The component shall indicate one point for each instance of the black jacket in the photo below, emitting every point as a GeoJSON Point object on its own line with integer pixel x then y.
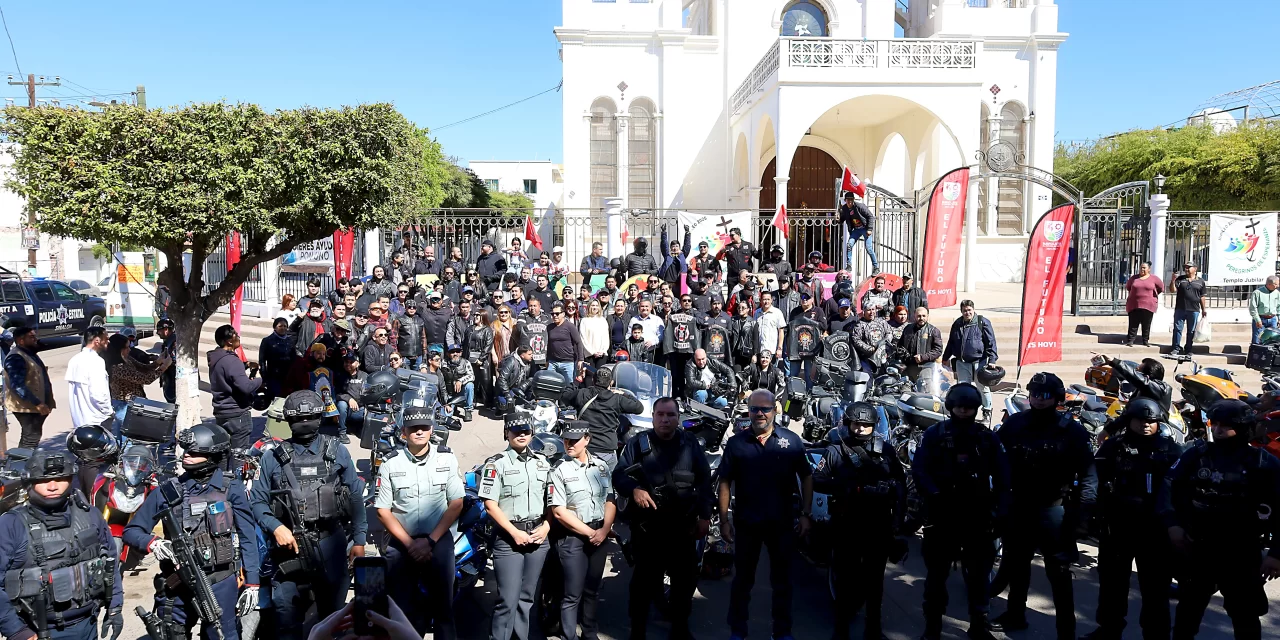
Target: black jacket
{"type": "Point", "coordinates": [1050, 459]}
{"type": "Point", "coordinates": [374, 358]}
{"type": "Point", "coordinates": [724, 377]}
{"type": "Point", "coordinates": [857, 216]}
{"type": "Point", "coordinates": [962, 474]}
{"type": "Point", "coordinates": [912, 299]}
{"type": "Point", "coordinates": [491, 267]}
{"type": "Point", "coordinates": [636, 263]}
{"type": "Point", "coordinates": [275, 356]}
{"type": "Point", "coordinates": [1157, 390]}
{"type": "Point", "coordinates": [922, 341]}
{"type": "Point", "coordinates": [1131, 469]}
{"type": "Point", "coordinates": [478, 346]}
{"type": "Point", "coordinates": [971, 341]}
{"type": "Point", "coordinates": [771, 379]}
{"type": "Point", "coordinates": [866, 482]}
{"type": "Point", "coordinates": [231, 387]}
{"type": "Point", "coordinates": [603, 414]}
{"type": "Point", "coordinates": [513, 373]}
{"type": "Point", "coordinates": [307, 329]}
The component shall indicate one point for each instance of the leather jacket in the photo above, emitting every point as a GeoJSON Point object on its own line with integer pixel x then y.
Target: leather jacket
{"type": "Point", "coordinates": [513, 373]}
{"type": "Point", "coordinates": [693, 376]}
{"type": "Point", "coordinates": [1157, 390]}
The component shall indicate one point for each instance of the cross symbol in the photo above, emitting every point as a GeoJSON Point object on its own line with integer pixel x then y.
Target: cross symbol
{"type": "Point", "coordinates": [724, 222]}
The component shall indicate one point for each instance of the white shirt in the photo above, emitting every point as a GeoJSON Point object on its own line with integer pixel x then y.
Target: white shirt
{"type": "Point", "coordinates": [90, 391]}
{"type": "Point", "coordinates": [768, 323]}
{"type": "Point", "coordinates": [654, 327]}
{"type": "Point", "coordinates": [595, 335]}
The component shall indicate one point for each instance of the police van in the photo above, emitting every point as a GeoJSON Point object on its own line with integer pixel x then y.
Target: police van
{"type": "Point", "coordinates": [50, 306]}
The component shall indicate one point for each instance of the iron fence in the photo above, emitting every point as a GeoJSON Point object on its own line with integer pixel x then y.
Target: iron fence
{"type": "Point", "coordinates": [215, 271]}
{"type": "Point", "coordinates": [1187, 240]}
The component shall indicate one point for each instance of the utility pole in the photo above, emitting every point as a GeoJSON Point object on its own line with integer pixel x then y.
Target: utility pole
{"type": "Point", "coordinates": [31, 102]}
{"type": "Point", "coordinates": [141, 94]}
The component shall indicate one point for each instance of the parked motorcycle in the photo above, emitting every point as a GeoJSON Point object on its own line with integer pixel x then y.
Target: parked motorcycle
{"type": "Point", "coordinates": [121, 488]}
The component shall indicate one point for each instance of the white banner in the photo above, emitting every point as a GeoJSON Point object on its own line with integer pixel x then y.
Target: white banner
{"type": "Point", "coordinates": [714, 228]}
{"type": "Point", "coordinates": [1242, 249]}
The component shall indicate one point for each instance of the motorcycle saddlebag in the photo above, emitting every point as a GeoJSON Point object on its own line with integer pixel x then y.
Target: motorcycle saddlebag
{"type": "Point", "coordinates": [1263, 357]}
{"type": "Point", "coordinates": [797, 398]}
{"type": "Point", "coordinates": [548, 384]}
{"type": "Point", "coordinates": [149, 420]}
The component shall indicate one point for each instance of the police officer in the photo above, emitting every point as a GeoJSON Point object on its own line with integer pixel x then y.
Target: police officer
{"type": "Point", "coordinates": [664, 476]}
{"type": "Point", "coordinates": [962, 474]}
{"type": "Point", "coordinates": [514, 489]}
{"type": "Point", "coordinates": [867, 485]}
{"type": "Point", "coordinates": [419, 498]}
{"type": "Point", "coordinates": [303, 500]}
{"type": "Point", "coordinates": [1218, 499]}
{"type": "Point", "coordinates": [57, 535]}
{"type": "Point", "coordinates": [1131, 469]}
{"type": "Point", "coordinates": [1053, 480]}
{"type": "Point", "coordinates": [582, 501]}
{"type": "Point", "coordinates": [214, 511]}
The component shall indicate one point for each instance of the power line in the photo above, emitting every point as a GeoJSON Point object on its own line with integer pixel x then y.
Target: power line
{"type": "Point", "coordinates": [92, 90]}
{"type": "Point", "coordinates": [11, 47]}
{"type": "Point", "coordinates": [493, 111]}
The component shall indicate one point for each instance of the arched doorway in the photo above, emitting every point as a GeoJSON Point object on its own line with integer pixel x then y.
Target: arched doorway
{"type": "Point", "coordinates": [811, 199]}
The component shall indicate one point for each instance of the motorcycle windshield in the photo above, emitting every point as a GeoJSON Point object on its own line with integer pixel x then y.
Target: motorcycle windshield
{"type": "Point", "coordinates": [135, 468]}
{"type": "Point", "coordinates": [646, 381]}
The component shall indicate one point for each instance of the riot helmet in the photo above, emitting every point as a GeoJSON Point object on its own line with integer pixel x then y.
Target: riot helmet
{"type": "Point", "coordinates": [963, 394]}
{"type": "Point", "coordinates": [43, 466]}
{"type": "Point", "coordinates": [615, 263]}
{"type": "Point", "coordinates": [208, 441]}
{"type": "Point", "coordinates": [1045, 382]}
{"type": "Point", "coordinates": [303, 411]}
{"type": "Point", "coordinates": [859, 412]}
{"type": "Point", "coordinates": [1145, 409]}
{"type": "Point", "coordinates": [1235, 415]}
{"type": "Point", "coordinates": [92, 444]}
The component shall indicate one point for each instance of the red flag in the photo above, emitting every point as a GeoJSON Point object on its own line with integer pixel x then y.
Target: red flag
{"type": "Point", "coordinates": [344, 241]}
{"type": "Point", "coordinates": [780, 219]}
{"type": "Point", "coordinates": [531, 233]}
{"type": "Point", "coordinates": [850, 182]}
{"type": "Point", "coordinates": [1044, 286]}
{"type": "Point", "coordinates": [237, 301]}
{"type": "Point", "coordinates": [943, 233]}
{"type": "Point", "coordinates": [624, 234]}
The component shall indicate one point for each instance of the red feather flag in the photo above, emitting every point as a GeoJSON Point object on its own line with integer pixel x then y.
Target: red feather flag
{"type": "Point", "coordinates": [780, 219]}
{"type": "Point", "coordinates": [531, 233]}
{"type": "Point", "coordinates": [850, 182]}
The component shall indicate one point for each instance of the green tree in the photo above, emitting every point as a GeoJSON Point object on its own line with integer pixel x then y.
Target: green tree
{"type": "Point", "coordinates": [464, 189]}
{"type": "Point", "coordinates": [182, 179]}
{"type": "Point", "coordinates": [510, 203]}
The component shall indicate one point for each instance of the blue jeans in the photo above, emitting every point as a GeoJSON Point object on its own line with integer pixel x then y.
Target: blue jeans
{"type": "Point", "coordinates": [345, 413]}
{"type": "Point", "coordinates": [806, 369]}
{"type": "Point", "coordinates": [703, 396]}
{"type": "Point", "coordinates": [1267, 323]}
{"type": "Point", "coordinates": [468, 396]}
{"type": "Point", "coordinates": [1188, 318]}
{"type": "Point", "coordinates": [566, 369]}
{"type": "Point", "coordinates": [412, 364]}
{"type": "Point", "coordinates": [861, 234]}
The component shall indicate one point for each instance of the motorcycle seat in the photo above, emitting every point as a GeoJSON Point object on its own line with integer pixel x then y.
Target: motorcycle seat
{"type": "Point", "coordinates": [1079, 388]}
{"type": "Point", "coordinates": [1093, 404]}
{"type": "Point", "coordinates": [1217, 372]}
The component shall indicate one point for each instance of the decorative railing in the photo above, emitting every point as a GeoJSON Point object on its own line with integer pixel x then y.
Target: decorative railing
{"type": "Point", "coordinates": [900, 53]}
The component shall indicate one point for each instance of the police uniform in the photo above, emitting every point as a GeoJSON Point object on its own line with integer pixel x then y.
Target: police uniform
{"type": "Point", "coordinates": [585, 490]}
{"type": "Point", "coordinates": [1131, 469]}
{"type": "Point", "coordinates": [517, 484]}
{"type": "Point", "coordinates": [962, 474]}
{"type": "Point", "coordinates": [307, 485]}
{"type": "Point", "coordinates": [216, 514]}
{"type": "Point", "coordinates": [1224, 495]}
{"type": "Point", "coordinates": [867, 489]}
{"type": "Point", "coordinates": [1049, 453]}
{"type": "Point", "coordinates": [418, 492]}
{"type": "Point", "coordinates": [60, 566]}
{"type": "Point", "coordinates": [664, 540]}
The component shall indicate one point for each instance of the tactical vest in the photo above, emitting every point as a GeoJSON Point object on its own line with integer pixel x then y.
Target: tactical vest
{"type": "Point", "coordinates": [211, 523]}
{"type": "Point", "coordinates": [534, 336]}
{"type": "Point", "coordinates": [683, 333]}
{"type": "Point", "coordinates": [1042, 466]}
{"type": "Point", "coordinates": [715, 339]}
{"type": "Point", "coordinates": [867, 486]}
{"type": "Point", "coordinates": [1138, 476]}
{"type": "Point", "coordinates": [66, 564]}
{"type": "Point", "coordinates": [314, 481]}
{"type": "Point", "coordinates": [804, 339]}
{"type": "Point", "coordinates": [1222, 501]}
{"type": "Point", "coordinates": [409, 336]}
{"type": "Point", "coordinates": [672, 488]}
{"type": "Point", "coordinates": [965, 469]}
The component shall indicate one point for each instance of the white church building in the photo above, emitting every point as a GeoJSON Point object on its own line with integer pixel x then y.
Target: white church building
{"type": "Point", "coordinates": [748, 104]}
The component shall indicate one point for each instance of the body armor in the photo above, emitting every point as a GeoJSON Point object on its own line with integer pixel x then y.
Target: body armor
{"type": "Point", "coordinates": [864, 484]}
{"type": "Point", "coordinates": [1223, 502]}
{"type": "Point", "coordinates": [315, 483]}
{"type": "Point", "coordinates": [1139, 472]}
{"type": "Point", "coordinates": [211, 524]}
{"type": "Point", "coordinates": [66, 565]}
{"type": "Point", "coordinates": [1039, 457]}
{"type": "Point", "coordinates": [672, 488]}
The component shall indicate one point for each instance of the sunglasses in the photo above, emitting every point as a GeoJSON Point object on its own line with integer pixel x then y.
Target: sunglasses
{"type": "Point", "coordinates": [418, 427]}
{"type": "Point", "coordinates": [759, 410]}
{"type": "Point", "coordinates": [379, 335]}
{"type": "Point", "coordinates": [557, 313]}
{"type": "Point", "coordinates": [504, 313]}
{"type": "Point", "coordinates": [521, 431]}
{"type": "Point", "coordinates": [1042, 395]}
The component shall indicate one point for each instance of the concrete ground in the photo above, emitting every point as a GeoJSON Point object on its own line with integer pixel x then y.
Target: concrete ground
{"type": "Point", "coordinates": [812, 607]}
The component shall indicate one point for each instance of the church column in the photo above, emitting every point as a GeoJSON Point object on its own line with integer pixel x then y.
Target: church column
{"type": "Point", "coordinates": [659, 146]}
{"type": "Point", "coordinates": [622, 160]}
{"type": "Point", "coordinates": [1030, 208]}
{"type": "Point", "coordinates": [993, 184]}
{"type": "Point", "coordinates": [753, 198]}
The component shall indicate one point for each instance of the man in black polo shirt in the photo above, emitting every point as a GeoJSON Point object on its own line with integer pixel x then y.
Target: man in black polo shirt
{"type": "Point", "coordinates": [1188, 306]}
{"type": "Point", "coordinates": [761, 465]}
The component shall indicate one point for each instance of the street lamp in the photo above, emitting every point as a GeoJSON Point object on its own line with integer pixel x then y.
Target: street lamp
{"type": "Point", "coordinates": [1159, 180]}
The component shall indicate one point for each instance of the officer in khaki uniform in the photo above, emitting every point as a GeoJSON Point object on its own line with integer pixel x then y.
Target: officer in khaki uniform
{"type": "Point", "coordinates": [582, 499]}
{"type": "Point", "coordinates": [419, 499]}
{"type": "Point", "coordinates": [513, 486]}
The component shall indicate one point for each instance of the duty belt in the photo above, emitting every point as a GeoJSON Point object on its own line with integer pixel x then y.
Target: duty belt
{"type": "Point", "coordinates": [527, 526]}
{"type": "Point", "coordinates": [596, 524]}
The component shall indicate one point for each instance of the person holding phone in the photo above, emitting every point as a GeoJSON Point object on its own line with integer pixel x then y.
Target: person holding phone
{"type": "Point", "coordinates": [582, 500]}
{"type": "Point", "coordinates": [513, 486]}
{"type": "Point", "coordinates": [419, 498]}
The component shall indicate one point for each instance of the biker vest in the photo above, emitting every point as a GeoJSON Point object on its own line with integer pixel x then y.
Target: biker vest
{"type": "Point", "coordinates": [210, 522]}
{"type": "Point", "coordinates": [314, 482]}
{"type": "Point", "coordinates": [672, 488]}
{"type": "Point", "coordinates": [715, 339]}
{"type": "Point", "coordinates": [804, 339]}
{"type": "Point", "coordinates": [683, 333]}
{"type": "Point", "coordinates": [66, 564]}
{"type": "Point", "coordinates": [409, 336]}
{"type": "Point", "coordinates": [534, 336]}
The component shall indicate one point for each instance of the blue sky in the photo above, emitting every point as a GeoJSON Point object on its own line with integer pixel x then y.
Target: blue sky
{"type": "Point", "coordinates": [1127, 64]}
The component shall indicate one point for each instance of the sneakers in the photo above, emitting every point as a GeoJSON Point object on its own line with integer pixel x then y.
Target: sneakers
{"type": "Point", "coordinates": [1007, 622]}
{"type": "Point", "coordinates": [875, 271]}
{"type": "Point", "coordinates": [344, 439]}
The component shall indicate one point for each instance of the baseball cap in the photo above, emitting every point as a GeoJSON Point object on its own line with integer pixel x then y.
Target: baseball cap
{"type": "Point", "coordinates": [703, 244]}
{"type": "Point", "coordinates": [557, 249]}
{"type": "Point", "coordinates": [1188, 264]}
{"type": "Point", "coordinates": [486, 243]}
{"type": "Point", "coordinates": [805, 294]}
{"type": "Point", "coordinates": [468, 290]}
{"type": "Point", "coordinates": [435, 295]}
{"type": "Point", "coordinates": [342, 323]}
{"type": "Point", "coordinates": [453, 347]}
{"type": "Point", "coordinates": [844, 302]}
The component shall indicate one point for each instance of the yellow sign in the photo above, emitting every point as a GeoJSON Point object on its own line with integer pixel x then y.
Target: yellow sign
{"type": "Point", "coordinates": [129, 273]}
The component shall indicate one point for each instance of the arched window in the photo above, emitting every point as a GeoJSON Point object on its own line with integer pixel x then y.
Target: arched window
{"type": "Point", "coordinates": [803, 18]}
{"type": "Point", "coordinates": [642, 147]}
{"type": "Point", "coordinates": [604, 151]}
{"type": "Point", "coordinates": [1011, 206]}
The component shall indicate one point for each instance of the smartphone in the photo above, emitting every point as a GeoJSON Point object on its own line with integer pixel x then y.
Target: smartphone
{"type": "Point", "coordinates": [371, 592]}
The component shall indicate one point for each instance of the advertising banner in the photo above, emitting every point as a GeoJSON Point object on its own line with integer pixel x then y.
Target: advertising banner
{"type": "Point", "coordinates": [943, 234]}
{"type": "Point", "coordinates": [1242, 249]}
{"type": "Point", "coordinates": [237, 300]}
{"type": "Point", "coordinates": [344, 245]}
{"type": "Point", "coordinates": [714, 228]}
{"type": "Point", "coordinates": [1044, 287]}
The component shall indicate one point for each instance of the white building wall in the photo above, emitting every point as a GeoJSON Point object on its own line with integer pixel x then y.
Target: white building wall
{"type": "Point", "coordinates": [512, 174]}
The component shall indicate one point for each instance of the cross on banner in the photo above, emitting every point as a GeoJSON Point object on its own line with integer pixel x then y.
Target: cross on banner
{"type": "Point", "coordinates": [724, 222]}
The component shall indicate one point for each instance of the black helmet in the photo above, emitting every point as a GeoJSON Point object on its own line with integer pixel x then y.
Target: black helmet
{"type": "Point", "coordinates": [1045, 381]}
{"type": "Point", "coordinates": [615, 263]}
{"type": "Point", "coordinates": [777, 248]}
{"type": "Point", "coordinates": [205, 439]}
{"type": "Point", "coordinates": [381, 387]}
{"type": "Point", "coordinates": [844, 289]}
{"type": "Point", "coordinates": [1235, 414]}
{"type": "Point", "coordinates": [1145, 408]}
{"type": "Point", "coordinates": [642, 243]}
{"type": "Point", "coordinates": [963, 394]}
{"type": "Point", "coordinates": [863, 412]}
{"type": "Point", "coordinates": [990, 375]}
{"type": "Point", "coordinates": [48, 465]}
{"type": "Point", "coordinates": [604, 377]}
{"type": "Point", "coordinates": [303, 406]}
{"type": "Point", "coordinates": [92, 444]}
{"type": "Point", "coordinates": [548, 444]}
{"type": "Point", "coordinates": [815, 254]}
{"type": "Point", "coordinates": [262, 399]}
{"type": "Point", "coordinates": [164, 323]}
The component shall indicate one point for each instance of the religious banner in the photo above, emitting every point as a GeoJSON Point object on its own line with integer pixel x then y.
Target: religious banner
{"type": "Point", "coordinates": [237, 300]}
{"type": "Point", "coordinates": [943, 233]}
{"type": "Point", "coordinates": [714, 228]}
{"type": "Point", "coordinates": [344, 244]}
{"type": "Point", "coordinates": [1242, 249]}
{"type": "Point", "coordinates": [1044, 287]}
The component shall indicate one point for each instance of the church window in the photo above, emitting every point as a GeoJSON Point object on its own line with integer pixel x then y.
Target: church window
{"type": "Point", "coordinates": [804, 19]}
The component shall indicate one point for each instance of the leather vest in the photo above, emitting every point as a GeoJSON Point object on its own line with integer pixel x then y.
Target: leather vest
{"type": "Point", "coordinates": [409, 336]}
{"type": "Point", "coordinates": [34, 382]}
{"type": "Point", "coordinates": [804, 339]}
{"type": "Point", "coordinates": [314, 481]}
{"type": "Point", "coordinates": [683, 333]}
{"type": "Point", "coordinates": [715, 339]}
{"type": "Point", "coordinates": [534, 336]}
{"type": "Point", "coordinates": [66, 563]}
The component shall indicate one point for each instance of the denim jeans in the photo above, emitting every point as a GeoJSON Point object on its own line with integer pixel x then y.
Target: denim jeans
{"type": "Point", "coordinates": [345, 413]}
{"type": "Point", "coordinates": [965, 373]}
{"type": "Point", "coordinates": [566, 369]}
{"type": "Point", "coordinates": [414, 363]}
{"type": "Point", "coordinates": [861, 234]}
{"type": "Point", "coordinates": [805, 369]}
{"type": "Point", "coordinates": [1267, 323]}
{"type": "Point", "coordinates": [703, 396]}
{"type": "Point", "coordinates": [1189, 319]}
{"type": "Point", "coordinates": [467, 397]}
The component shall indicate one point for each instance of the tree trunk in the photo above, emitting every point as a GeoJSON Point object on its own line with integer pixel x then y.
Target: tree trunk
{"type": "Point", "coordinates": [188, 323]}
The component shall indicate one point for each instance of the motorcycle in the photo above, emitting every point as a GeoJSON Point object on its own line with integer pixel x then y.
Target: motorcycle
{"type": "Point", "coordinates": [471, 548]}
{"type": "Point", "coordinates": [1200, 389]}
{"type": "Point", "coordinates": [384, 414]}
{"type": "Point", "coordinates": [542, 407]}
{"type": "Point", "coordinates": [122, 487]}
{"type": "Point", "coordinates": [12, 490]}
{"type": "Point", "coordinates": [645, 382]}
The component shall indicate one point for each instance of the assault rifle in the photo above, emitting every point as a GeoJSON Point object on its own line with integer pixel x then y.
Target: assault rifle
{"type": "Point", "coordinates": [155, 628]}
{"type": "Point", "coordinates": [307, 556]}
{"type": "Point", "coordinates": [188, 570]}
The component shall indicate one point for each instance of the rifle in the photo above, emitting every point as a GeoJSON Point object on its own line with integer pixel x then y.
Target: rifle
{"type": "Point", "coordinates": [188, 569]}
{"type": "Point", "coordinates": [155, 628]}
{"type": "Point", "coordinates": [305, 561]}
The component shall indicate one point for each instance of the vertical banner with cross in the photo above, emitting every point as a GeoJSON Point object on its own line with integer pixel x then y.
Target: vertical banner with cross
{"type": "Point", "coordinates": [237, 300]}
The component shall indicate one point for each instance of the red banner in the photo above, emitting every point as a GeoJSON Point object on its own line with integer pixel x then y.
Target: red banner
{"type": "Point", "coordinates": [237, 301]}
{"type": "Point", "coordinates": [344, 245]}
{"type": "Point", "coordinates": [943, 234]}
{"type": "Point", "coordinates": [1044, 287]}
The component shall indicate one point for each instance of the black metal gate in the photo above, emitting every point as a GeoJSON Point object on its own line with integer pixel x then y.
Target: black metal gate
{"type": "Point", "coordinates": [1111, 240]}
